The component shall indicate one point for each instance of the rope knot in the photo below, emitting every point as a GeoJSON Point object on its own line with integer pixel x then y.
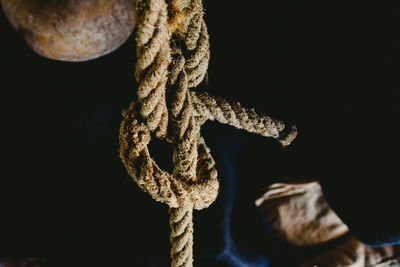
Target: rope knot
{"type": "Point", "coordinates": [161, 185]}
{"type": "Point", "coordinates": [173, 50]}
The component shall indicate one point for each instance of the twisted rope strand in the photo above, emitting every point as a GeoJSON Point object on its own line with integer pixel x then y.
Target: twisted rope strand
{"type": "Point", "coordinates": [181, 236]}
{"type": "Point", "coordinates": [183, 123]}
{"type": "Point", "coordinates": [186, 131]}
{"type": "Point", "coordinates": [162, 186]}
{"type": "Point", "coordinates": [174, 52]}
{"type": "Point", "coordinates": [151, 72]}
{"type": "Point", "coordinates": [232, 113]}
{"type": "Point", "coordinates": [198, 47]}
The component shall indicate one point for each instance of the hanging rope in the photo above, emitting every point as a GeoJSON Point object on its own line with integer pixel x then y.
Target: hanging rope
{"type": "Point", "coordinates": [172, 45]}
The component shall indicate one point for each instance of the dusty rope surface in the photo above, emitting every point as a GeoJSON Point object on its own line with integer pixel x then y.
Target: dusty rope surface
{"type": "Point", "coordinates": [190, 53]}
{"type": "Point", "coordinates": [154, 57]}
{"type": "Point", "coordinates": [172, 45]}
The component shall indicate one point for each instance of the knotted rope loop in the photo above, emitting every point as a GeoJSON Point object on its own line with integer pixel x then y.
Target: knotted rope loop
{"type": "Point", "coordinates": [161, 185]}
{"type": "Point", "coordinates": [172, 45]}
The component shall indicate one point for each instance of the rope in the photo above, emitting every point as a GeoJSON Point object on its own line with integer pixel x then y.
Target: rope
{"type": "Point", "coordinates": [187, 70]}
{"type": "Point", "coordinates": [162, 186]}
{"type": "Point", "coordinates": [153, 53]}
{"type": "Point", "coordinates": [232, 113]}
{"type": "Point", "coordinates": [172, 45]}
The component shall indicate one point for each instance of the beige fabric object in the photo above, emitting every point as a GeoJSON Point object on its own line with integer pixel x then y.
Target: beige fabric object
{"type": "Point", "coordinates": [355, 254]}
{"type": "Point", "coordinates": [300, 216]}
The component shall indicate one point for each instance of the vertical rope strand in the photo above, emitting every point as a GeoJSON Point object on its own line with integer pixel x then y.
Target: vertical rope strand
{"type": "Point", "coordinates": [173, 52]}
{"type": "Point", "coordinates": [181, 236]}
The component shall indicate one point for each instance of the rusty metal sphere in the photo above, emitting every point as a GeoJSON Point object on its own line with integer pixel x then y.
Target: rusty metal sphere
{"type": "Point", "coordinates": [72, 30]}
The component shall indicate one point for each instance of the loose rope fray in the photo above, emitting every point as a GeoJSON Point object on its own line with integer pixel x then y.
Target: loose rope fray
{"type": "Point", "coordinates": [172, 46]}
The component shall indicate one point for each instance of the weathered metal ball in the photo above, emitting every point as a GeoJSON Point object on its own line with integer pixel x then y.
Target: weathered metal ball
{"type": "Point", "coordinates": [72, 30]}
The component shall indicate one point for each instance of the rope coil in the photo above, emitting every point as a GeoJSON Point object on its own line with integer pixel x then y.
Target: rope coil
{"type": "Point", "coordinates": [173, 51]}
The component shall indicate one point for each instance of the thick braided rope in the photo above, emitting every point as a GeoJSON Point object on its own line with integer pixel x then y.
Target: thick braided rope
{"type": "Point", "coordinates": [183, 127]}
{"type": "Point", "coordinates": [188, 25]}
{"type": "Point", "coordinates": [162, 186]}
{"type": "Point", "coordinates": [190, 50]}
{"type": "Point", "coordinates": [190, 53]}
{"type": "Point", "coordinates": [180, 195]}
{"type": "Point", "coordinates": [151, 70]}
{"type": "Point", "coordinates": [180, 62]}
{"type": "Point", "coordinates": [153, 59]}
{"type": "Point", "coordinates": [232, 113]}
{"type": "Point", "coordinates": [181, 236]}
{"type": "Point", "coordinates": [183, 132]}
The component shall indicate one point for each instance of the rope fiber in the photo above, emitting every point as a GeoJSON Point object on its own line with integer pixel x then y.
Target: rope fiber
{"type": "Point", "coordinates": [173, 53]}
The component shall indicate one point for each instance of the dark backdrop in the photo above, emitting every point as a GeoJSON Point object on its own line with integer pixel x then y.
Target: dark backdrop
{"type": "Point", "coordinates": [331, 68]}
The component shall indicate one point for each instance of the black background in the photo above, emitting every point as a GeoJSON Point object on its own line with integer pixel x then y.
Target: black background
{"type": "Point", "coordinates": [330, 68]}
